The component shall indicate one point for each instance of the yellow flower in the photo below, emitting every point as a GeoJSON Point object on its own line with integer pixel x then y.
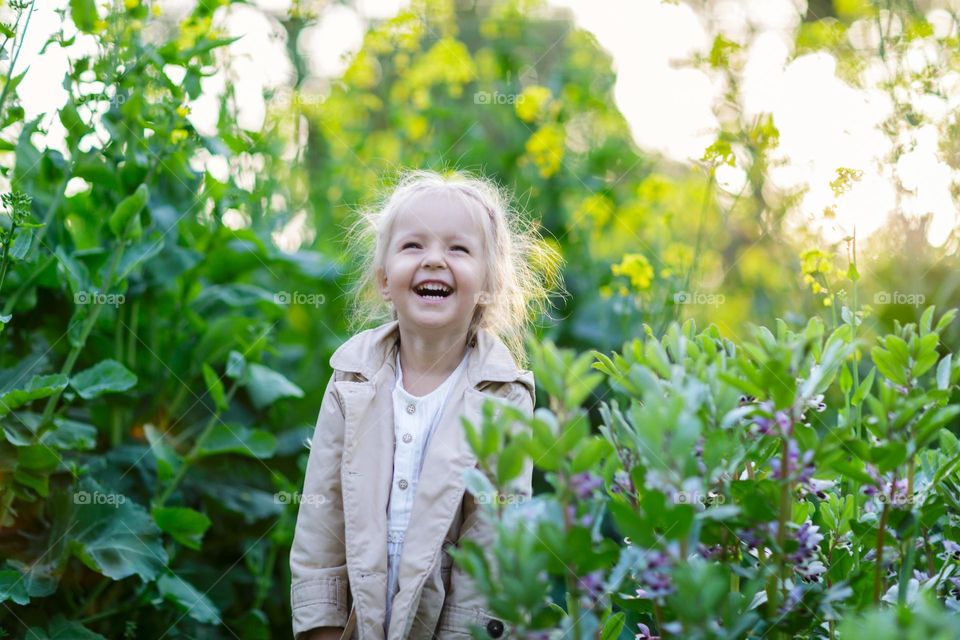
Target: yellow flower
{"type": "Point", "coordinates": [131, 4]}
{"type": "Point", "coordinates": [531, 103]}
{"type": "Point", "coordinates": [183, 111]}
{"type": "Point", "coordinates": [545, 149]}
{"type": "Point", "coordinates": [637, 268]}
{"type": "Point", "coordinates": [416, 127]}
{"type": "Point", "coordinates": [828, 301]}
{"type": "Point", "coordinates": [597, 207]}
{"type": "Point", "coordinates": [178, 135]}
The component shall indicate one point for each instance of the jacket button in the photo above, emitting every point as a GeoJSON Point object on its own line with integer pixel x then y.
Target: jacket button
{"type": "Point", "coordinates": [411, 408]}
{"type": "Point", "coordinates": [403, 484]}
{"type": "Point", "coordinates": [407, 437]}
{"type": "Point", "coordinates": [495, 628]}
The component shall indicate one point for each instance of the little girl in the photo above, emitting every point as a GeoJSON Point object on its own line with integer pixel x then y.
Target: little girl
{"type": "Point", "coordinates": [455, 278]}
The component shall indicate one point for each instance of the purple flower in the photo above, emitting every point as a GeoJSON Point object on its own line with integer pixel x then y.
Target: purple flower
{"type": "Point", "coordinates": [583, 484]}
{"type": "Point", "coordinates": [645, 633]}
{"type": "Point", "coordinates": [818, 488]}
{"type": "Point", "coordinates": [805, 558]}
{"type": "Point", "coordinates": [622, 482]}
{"type": "Point", "coordinates": [653, 576]}
{"type": "Point", "coordinates": [952, 549]}
{"type": "Point", "coordinates": [592, 588]}
{"type": "Point", "coordinates": [784, 423]}
{"type": "Point", "coordinates": [586, 520]}
{"type": "Point", "coordinates": [803, 468]}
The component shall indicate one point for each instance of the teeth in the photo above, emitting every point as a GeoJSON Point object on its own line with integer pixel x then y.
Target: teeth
{"type": "Point", "coordinates": [433, 291]}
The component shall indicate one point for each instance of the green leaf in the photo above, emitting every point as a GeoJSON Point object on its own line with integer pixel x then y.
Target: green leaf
{"type": "Point", "coordinates": [510, 463]}
{"type": "Point", "coordinates": [864, 388]}
{"type": "Point", "coordinates": [129, 207]}
{"type": "Point", "coordinates": [222, 439]}
{"type": "Point", "coordinates": [38, 387]}
{"type": "Point", "coordinates": [13, 587]}
{"type": "Point", "coordinates": [943, 372]}
{"type": "Point", "coordinates": [62, 629]}
{"type": "Point", "coordinates": [613, 626]}
{"type": "Point", "coordinates": [589, 453]}
{"type": "Point", "coordinates": [113, 535]}
{"type": "Point", "coordinates": [266, 386]}
{"type": "Point", "coordinates": [84, 14]}
{"type": "Point", "coordinates": [138, 254]}
{"type": "Point", "coordinates": [845, 380]}
{"type": "Point", "coordinates": [888, 365]}
{"type": "Point", "coordinates": [214, 387]}
{"type": "Point", "coordinates": [926, 320]}
{"type": "Point", "coordinates": [187, 599]}
{"type": "Point", "coordinates": [168, 460]}
{"type": "Point", "coordinates": [852, 274]}
{"type": "Point", "coordinates": [76, 274]}
{"type": "Point", "coordinates": [186, 526]}
{"type": "Point", "coordinates": [107, 376]}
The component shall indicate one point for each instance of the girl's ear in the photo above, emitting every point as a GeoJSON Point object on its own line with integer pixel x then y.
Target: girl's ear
{"type": "Point", "coordinates": [382, 283]}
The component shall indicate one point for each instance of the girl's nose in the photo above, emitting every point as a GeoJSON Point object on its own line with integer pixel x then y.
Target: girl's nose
{"type": "Point", "coordinates": [433, 257]}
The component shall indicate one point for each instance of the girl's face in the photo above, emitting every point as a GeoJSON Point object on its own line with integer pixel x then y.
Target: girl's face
{"type": "Point", "coordinates": [434, 268]}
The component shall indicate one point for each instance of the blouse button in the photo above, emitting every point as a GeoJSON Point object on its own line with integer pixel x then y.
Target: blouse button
{"type": "Point", "coordinates": [411, 408]}
{"type": "Point", "coordinates": [407, 437]}
{"type": "Point", "coordinates": [403, 484]}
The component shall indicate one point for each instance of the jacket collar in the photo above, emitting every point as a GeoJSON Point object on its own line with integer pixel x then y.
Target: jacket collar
{"type": "Point", "coordinates": [368, 351]}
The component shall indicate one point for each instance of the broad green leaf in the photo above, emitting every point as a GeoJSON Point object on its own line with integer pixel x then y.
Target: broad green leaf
{"type": "Point", "coordinates": [84, 14]}
{"type": "Point", "coordinates": [13, 587]}
{"type": "Point", "coordinates": [38, 387]}
{"type": "Point", "coordinates": [266, 386]}
{"type": "Point", "coordinates": [62, 629]}
{"type": "Point", "coordinates": [113, 535]}
{"type": "Point", "coordinates": [223, 439]}
{"type": "Point", "coordinates": [107, 376]}
{"type": "Point", "coordinates": [188, 599]}
{"type": "Point", "coordinates": [186, 526]}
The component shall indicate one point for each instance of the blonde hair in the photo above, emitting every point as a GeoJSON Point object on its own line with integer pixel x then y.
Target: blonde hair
{"type": "Point", "coordinates": [521, 269]}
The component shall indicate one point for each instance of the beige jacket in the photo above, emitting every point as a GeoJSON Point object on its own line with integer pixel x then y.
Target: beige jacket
{"type": "Point", "coordinates": [339, 555]}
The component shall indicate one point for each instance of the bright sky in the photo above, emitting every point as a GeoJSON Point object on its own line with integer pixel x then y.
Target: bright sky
{"type": "Point", "coordinates": [824, 123]}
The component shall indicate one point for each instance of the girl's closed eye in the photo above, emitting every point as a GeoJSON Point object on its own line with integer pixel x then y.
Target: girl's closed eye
{"type": "Point", "coordinates": [460, 247]}
{"type": "Point", "coordinates": [410, 244]}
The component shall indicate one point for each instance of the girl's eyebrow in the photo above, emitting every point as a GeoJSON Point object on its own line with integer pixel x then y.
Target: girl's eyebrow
{"type": "Point", "coordinates": [416, 235]}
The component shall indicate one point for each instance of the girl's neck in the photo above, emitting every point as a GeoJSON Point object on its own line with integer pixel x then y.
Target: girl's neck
{"type": "Point", "coordinates": [428, 360]}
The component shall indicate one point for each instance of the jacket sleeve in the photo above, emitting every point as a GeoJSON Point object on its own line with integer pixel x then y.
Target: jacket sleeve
{"type": "Point", "coordinates": [319, 585]}
{"type": "Point", "coordinates": [466, 606]}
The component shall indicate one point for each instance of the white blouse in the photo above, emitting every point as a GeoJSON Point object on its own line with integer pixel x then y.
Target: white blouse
{"type": "Point", "coordinates": [415, 418]}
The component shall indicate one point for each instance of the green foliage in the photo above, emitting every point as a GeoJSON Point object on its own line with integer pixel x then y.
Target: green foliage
{"type": "Point", "coordinates": [734, 490]}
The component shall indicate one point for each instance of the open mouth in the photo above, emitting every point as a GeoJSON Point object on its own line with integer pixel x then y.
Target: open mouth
{"type": "Point", "coordinates": [433, 291]}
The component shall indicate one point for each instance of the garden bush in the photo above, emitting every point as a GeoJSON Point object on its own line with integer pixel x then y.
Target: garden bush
{"type": "Point", "coordinates": [735, 490]}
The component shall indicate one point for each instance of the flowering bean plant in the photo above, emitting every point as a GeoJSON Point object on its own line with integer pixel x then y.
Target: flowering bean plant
{"type": "Point", "coordinates": [783, 486]}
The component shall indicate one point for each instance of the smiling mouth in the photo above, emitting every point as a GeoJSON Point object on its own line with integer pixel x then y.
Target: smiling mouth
{"type": "Point", "coordinates": [433, 291]}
